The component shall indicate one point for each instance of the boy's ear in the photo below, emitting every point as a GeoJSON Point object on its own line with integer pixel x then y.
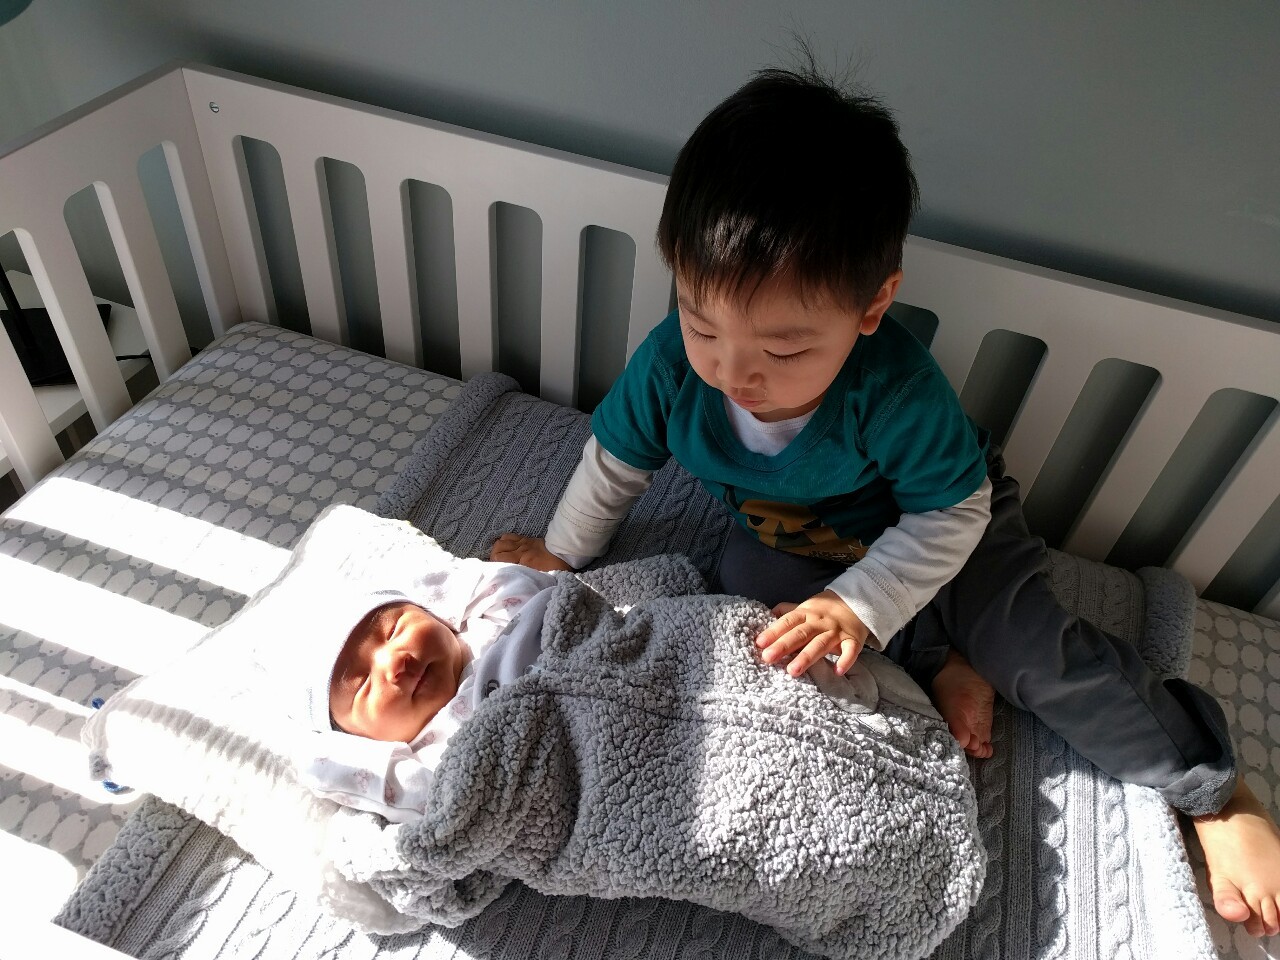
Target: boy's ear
{"type": "Point", "coordinates": [888, 290]}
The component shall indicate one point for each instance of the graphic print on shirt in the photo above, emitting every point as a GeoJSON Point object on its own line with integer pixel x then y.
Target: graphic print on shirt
{"type": "Point", "coordinates": [795, 528]}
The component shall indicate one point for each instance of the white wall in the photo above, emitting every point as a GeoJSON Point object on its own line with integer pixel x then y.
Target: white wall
{"type": "Point", "coordinates": [1135, 143]}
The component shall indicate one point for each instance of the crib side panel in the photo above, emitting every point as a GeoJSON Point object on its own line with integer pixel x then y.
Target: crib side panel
{"type": "Point", "coordinates": [567, 193]}
{"type": "Point", "coordinates": [99, 146]}
{"type": "Point", "coordinates": [202, 116]}
{"type": "Point", "coordinates": [1197, 352]}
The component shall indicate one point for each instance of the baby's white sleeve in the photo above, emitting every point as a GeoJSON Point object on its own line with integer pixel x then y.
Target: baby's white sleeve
{"type": "Point", "coordinates": [502, 591]}
{"type": "Point", "coordinates": [374, 775]}
{"type": "Point", "coordinates": [598, 496]}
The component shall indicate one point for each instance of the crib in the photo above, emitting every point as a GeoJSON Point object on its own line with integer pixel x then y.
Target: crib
{"type": "Point", "coordinates": [1102, 398]}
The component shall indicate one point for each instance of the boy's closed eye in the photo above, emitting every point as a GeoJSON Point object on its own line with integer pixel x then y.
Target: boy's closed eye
{"type": "Point", "coordinates": [697, 335]}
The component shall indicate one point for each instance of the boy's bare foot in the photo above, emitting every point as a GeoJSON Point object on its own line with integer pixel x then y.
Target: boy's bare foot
{"type": "Point", "coordinates": [1242, 858]}
{"type": "Point", "coordinates": [967, 703]}
{"type": "Point", "coordinates": [526, 551]}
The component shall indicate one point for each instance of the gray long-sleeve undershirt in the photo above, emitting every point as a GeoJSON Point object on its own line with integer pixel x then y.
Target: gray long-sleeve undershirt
{"type": "Point", "coordinates": [902, 571]}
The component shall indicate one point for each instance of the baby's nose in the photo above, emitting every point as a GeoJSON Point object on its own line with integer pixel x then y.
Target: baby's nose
{"type": "Point", "coordinates": [393, 661]}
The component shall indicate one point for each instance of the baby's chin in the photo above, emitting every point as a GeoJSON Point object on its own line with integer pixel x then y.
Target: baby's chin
{"type": "Point", "coordinates": [386, 730]}
{"type": "Point", "coordinates": [404, 731]}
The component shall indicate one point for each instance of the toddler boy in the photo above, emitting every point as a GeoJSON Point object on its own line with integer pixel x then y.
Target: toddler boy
{"type": "Point", "coordinates": [869, 508]}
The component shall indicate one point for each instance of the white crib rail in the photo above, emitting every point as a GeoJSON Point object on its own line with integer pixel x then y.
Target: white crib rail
{"type": "Point", "coordinates": [1196, 350]}
{"type": "Point", "coordinates": [568, 193]}
{"type": "Point", "coordinates": [100, 145]}
{"type": "Point", "coordinates": [199, 114]}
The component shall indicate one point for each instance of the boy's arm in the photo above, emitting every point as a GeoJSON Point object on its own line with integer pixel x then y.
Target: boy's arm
{"type": "Point", "coordinates": [598, 496]}
{"type": "Point", "coordinates": [910, 562]}
{"type": "Point", "coordinates": [872, 600]}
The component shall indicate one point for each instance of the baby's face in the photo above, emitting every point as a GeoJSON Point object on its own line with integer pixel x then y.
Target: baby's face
{"type": "Point", "coordinates": [397, 669]}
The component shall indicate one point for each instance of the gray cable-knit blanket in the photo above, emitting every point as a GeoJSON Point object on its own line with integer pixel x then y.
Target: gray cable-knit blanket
{"type": "Point", "coordinates": [654, 754]}
{"type": "Point", "coordinates": [1078, 864]}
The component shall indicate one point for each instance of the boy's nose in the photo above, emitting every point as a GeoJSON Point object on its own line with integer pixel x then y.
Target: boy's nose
{"type": "Point", "coordinates": [737, 374]}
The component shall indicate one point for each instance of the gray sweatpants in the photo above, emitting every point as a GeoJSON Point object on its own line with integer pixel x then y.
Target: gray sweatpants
{"type": "Point", "coordinates": [1092, 689]}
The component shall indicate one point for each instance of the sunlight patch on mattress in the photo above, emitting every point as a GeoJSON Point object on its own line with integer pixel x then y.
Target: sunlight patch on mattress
{"type": "Point", "coordinates": [195, 547]}
{"type": "Point", "coordinates": [42, 880]}
{"type": "Point", "coordinates": [92, 621]}
{"type": "Point", "coordinates": [50, 758]}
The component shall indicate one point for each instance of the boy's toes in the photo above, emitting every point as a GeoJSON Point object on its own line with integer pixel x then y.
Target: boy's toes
{"type": "Point", "coordinates": [1231, 905]}
{"type": "Point", "coordinates": [1271, 915]}
{"type": "Point", "coordinates": [970, 742]}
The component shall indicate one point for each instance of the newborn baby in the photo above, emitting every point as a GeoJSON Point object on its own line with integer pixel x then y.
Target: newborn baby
{"type": "Point", "coordinates": [394, 673]}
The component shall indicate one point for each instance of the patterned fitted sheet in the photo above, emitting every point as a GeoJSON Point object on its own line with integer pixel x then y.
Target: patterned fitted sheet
{"type": "Point", "coordinates": [253, 438]}
{"type": "Point", "coordinates": [184, 505]}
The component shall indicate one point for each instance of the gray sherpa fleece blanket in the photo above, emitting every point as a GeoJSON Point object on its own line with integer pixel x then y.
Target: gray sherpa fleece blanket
{"type": "Point", "coordinates": [652, 753]}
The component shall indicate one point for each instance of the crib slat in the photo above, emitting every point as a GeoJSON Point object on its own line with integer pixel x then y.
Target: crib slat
{"type": "Point", "coordinates": [1044, 412]}
{"type": "Point", "coordinates": [1153, 437]}
{"type": "Point", "coordinates": [955, 347]}
{"type": "Point", "coordinates": [394, 268]}
{"type": "Point", "coordinates": [561, 281]}
{"type": "Point", "coordinates": [650, 294]}
{"type": "Point", "coordinates": [64, 291]}
{"type": "Point", "coordinates": [317, 255]}
{"type": "Point", "coordinates": [29, 444]}
{"type": "Point", "coordinates": [1232, 513]}
{"type": "Point", "coordinates": [472, 244]}
{"type": "Point", "coordinates": [1270, 605]}
{"type": "Point", "coordinates": [125, 211]}
{"type": "Point", "coordinates": [237, 215]}
{"type": "Point", "coordinates": [200, 219]}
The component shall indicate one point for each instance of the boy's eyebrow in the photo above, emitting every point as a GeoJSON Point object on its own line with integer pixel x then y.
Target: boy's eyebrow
{"type": "Point", "coordinates": [782, 333]}
{"type": "Point", "coordinates": [789, 333]}
{"type": "Point", "coordinates": [688, 306]}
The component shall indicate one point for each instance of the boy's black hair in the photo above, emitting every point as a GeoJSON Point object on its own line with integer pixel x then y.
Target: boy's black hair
{"type": "Point", "coordinates": [792, 178]}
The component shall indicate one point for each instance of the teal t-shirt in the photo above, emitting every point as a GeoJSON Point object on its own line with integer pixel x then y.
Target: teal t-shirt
{"type": "Point", "coordinates": [888, 438]}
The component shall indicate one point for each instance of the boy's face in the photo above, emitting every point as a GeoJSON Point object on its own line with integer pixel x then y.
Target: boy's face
{"type": "Point", "coordinates": [776, 356]}
{"type": "Point", "coordinates": [399, 666]}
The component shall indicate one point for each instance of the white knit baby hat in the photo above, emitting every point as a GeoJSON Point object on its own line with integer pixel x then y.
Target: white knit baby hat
{"type": "Point", "coordinates": [348, 563]}
{"type": "Point", "coordinates": [318, 639]}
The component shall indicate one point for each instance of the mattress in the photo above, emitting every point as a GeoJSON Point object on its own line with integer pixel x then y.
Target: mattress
{"type": "Point", "coordinates": [163, 524]}
{"type": "Point", "coordinates": [186, 505]}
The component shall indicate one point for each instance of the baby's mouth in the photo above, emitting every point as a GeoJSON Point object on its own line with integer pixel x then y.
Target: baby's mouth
{"type": "Point", "coordinates": [412, 677]}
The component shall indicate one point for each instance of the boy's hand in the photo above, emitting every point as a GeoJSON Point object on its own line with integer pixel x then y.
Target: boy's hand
{"type": "Point", "coordinates": [526, 551]}
{"type": "Point", "coordinates": [822, 624]}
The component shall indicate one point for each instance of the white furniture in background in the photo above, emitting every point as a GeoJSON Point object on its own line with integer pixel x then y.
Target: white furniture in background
{"type": "Point", "coordinates": [64, 404]}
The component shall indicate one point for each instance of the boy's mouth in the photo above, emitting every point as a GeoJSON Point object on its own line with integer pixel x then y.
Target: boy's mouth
{"type": "Point", "coordinates": [746, 403]}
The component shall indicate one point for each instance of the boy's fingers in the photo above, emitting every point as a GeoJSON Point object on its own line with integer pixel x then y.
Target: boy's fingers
{"type": "Point", "coordinates": [811, 654]}
{"type": "Point", "coordinates": [790, 642]}
{"type": "Point", "coordinates": [783, 608]}
{"type": "Point", "coordinates": [849, 650]}
{"type": "Point", "coordinates": [784, 623]}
